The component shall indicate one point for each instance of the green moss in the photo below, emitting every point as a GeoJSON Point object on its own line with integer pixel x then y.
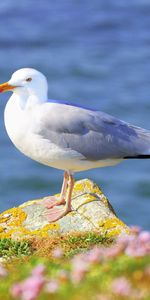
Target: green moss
{"type": "Point", "coordinates": [10, 248]}
{"type": "Point", "coordinates": [80, 243]}
{"type": "Point", "coordinates": [70, 243]}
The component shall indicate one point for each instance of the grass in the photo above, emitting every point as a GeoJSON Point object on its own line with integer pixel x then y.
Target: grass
{"type": "Point", "coordinates": [10, 248]}
{"type": "Point", "coordinates": [70, 244]}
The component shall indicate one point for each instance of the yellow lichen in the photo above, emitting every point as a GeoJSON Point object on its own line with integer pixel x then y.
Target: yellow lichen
{"type": "Point", "coordinates": [111, 223]}
{"type": "Point", "coordinates": [86, 185]}
{"type": "Point", "coordinates": [114, 232]}
{"type": "Point", "coordinates": [89, 198]}
{"type": "Point", "coordinates": [105, 201]}
{"type": "Point", "coordinates": [93, 188]}
{"type": "Point", "coordinates": [6, 234]}
{"type": "Point", "coordinates": [3, 219]}
{"type": "Point", "coordinates": [51, 226]}
{"type": "Point", "coordinates": [77, 187]}
{"type": "Point", "coordinates": [1, 229]}
{"type": "Point", "coordinates": [14, 225]}
{"type": "Point", "coordinates": [12, 218]}
{"type": "Point", "coordinates": [15, 217]}
{"type": "Point", "coordinates": [42, 231]}
{"type": "Point", "coordinates": [113, 227]}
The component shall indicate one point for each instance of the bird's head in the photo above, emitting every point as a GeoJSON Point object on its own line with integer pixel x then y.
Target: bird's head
{"type": "Point", "coordinates": [26, 79]}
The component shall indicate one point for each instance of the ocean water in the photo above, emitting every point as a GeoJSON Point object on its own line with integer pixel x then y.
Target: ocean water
{"type": "Point", "coordinates": [94, 53]}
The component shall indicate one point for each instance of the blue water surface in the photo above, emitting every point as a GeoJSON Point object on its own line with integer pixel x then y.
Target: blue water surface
{"type": "Point", "coordinates": [94, 53]}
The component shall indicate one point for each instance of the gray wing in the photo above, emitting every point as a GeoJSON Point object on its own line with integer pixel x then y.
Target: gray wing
{"type": "Point", "coordinates": [94, 134]}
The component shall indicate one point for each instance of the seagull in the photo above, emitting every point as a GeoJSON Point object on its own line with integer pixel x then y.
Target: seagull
{"type": "Point", "coordinates": [66, 136]}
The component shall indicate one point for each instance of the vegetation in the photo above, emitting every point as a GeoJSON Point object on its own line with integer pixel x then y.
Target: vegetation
{"type": "Point", "coordinates": [10, 248]}
{"type": "Point", "coordinates": [76, 267]}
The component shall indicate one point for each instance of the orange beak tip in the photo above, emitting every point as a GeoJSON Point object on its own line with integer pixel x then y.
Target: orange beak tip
{"type": "Point", "coordinates": [6, 87]}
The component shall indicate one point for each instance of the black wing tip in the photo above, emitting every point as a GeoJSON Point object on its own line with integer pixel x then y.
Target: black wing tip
{"type": "Point", "coordinates": [140, 156]}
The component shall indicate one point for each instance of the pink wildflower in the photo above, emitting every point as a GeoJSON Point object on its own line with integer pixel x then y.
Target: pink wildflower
{"type": "Point", "coordinates": [52, 286]}
{"type": "Point", "coordinates": [28, 289]}
{"type": "Point", "coordinates": [16, 290]}
{"type": "Point", "coordinates": [57, 253]}
{"type": "Point", "coordinates": [125, 240]}
{"type": "Point", "coordinates": [135, 230]}
{"type": "Point", "coordinates": [113, 251]}
{"type": "Point", "coordinates": [121, 286]}
{"type": "Point", "coordinates": [144, 237]}
{"type": "Point", "coordinates": [38, 270]}
{"type": "Point", "coordinates": [80, 266]}
{"type": "Point", "coordinates": [95, 255]}
{"type": "Point", "coordinates": [3, 271]}
{"type": "Point", "coordinates": [135, 251]}
{"type": "Point", "coordinates": [32, 286]}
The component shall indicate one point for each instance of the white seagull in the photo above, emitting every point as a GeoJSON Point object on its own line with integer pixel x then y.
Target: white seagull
{"type": "Point", "coordinates": [66, 136]}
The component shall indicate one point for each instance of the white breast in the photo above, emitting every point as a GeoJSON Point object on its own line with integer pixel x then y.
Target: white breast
{"type": "Point", "coordinates": [20, 126]}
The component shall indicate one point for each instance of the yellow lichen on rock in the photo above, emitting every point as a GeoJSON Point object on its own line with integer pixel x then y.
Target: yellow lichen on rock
{"type": "Point", "coordinates": [20, 232]}
{"type": "Point", "coordinates": [88, 198]}
{"type": "Point", "coordinates": [12, 225]}
{"type": "Point", "coordinates": [114, 226]}
{"type": "Point", "coordinates": [86, 184]}
{"type": "Point", "coordinates": [111, 223]}
{"type": "Point", "coordinates": [114, 232]}
{"type": "Point", "coordinates": [10, 220]}
{"type": "Point", "coordinates": [13, 217]}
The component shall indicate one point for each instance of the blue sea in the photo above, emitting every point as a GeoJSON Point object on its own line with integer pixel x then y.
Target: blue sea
{"type": "Point", "coordinates": [94, 53]}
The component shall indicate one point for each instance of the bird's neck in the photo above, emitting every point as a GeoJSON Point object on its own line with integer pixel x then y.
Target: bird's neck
{"type": "Point", "coordinates": [39, 95]}
{"type": "Point", "coordinates": [29, 98]}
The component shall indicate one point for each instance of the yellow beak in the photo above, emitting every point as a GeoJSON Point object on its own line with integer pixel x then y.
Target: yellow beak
{"type": "Point", "coordinates": [6, 87]}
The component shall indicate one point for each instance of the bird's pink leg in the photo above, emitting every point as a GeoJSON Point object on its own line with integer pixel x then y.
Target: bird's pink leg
{"type": "Point", "coordinates": [56, 212]}
{"type": "Point", "coordinates": [51, 201]}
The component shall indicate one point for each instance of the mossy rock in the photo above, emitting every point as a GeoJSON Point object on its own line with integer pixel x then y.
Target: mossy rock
{"type": "Point", "coordinates": [91, 212]}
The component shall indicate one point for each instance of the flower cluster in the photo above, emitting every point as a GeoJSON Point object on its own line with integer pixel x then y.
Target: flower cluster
{"type": "Point", "coordinates": [135, 245]}
{"type": "Point", "coordinates": [30, 288]}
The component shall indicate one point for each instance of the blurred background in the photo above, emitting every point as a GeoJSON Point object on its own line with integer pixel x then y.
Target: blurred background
{"type": "Point", "coordinates": [95, 53]}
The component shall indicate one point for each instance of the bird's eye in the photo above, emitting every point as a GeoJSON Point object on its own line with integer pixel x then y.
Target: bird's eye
{"type": "Point", "coordinates": [29, 79]}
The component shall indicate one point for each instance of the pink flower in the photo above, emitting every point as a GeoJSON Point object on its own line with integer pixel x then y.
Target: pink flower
{"type": "Point", "coordinates": [52, 286]}
{"type": "Point", "coordinates": [57, 253]}
{"type": "Point", "coordinates": [35, 282]}
{"type": "Point", "coordinates": [135, 230]}
{"type": "Point", "coordinates": [3, 271]}
{"type": "Point", "coordinates": [38, 270]}
{"type": "Point", "coordinates": [80, 266]}
{"type": "Point", "coordinates": [125, 240]}
{"type": "Point", "coordinates": [144, 237]}
{"type": "Point", "coordinates": [95, 255]}
{"type": "Point", "coordinates": [121, 287]}
{"type": "Point", "coordinates": [135, 251]}
{"type": "Point", "coordinates": [113, 251]}
{"type": "Point", "coordinates": [16, 290]}
{"type": "Point", "coordinates": [29, 295]}
{"type": "Point", "coordinates": [28, 289]}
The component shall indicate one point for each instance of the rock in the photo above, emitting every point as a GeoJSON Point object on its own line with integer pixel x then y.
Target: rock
{"type": "Point", "coordinates": [91, 212]}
